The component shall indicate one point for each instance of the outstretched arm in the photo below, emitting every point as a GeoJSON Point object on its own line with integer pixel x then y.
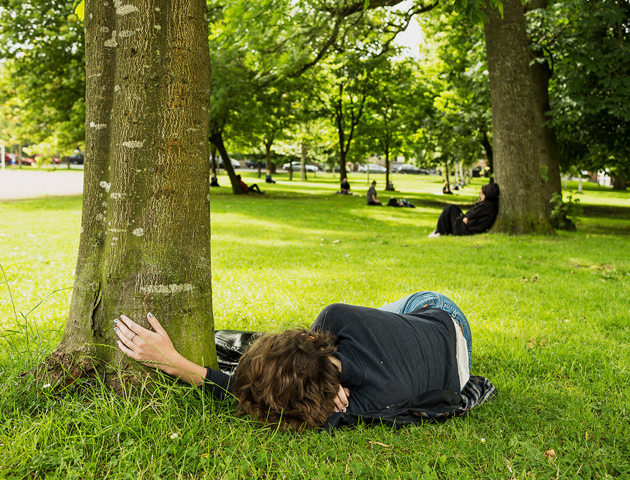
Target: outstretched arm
{"type": "Point", "coordinates": [155, 349]}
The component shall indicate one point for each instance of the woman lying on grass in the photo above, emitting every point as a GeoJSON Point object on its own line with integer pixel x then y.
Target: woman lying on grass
{"type": "Point", "coordinates": [299, 378]}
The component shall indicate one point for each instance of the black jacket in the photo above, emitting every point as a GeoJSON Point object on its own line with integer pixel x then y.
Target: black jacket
{"type": "Point", "coordinates": [480, 218]}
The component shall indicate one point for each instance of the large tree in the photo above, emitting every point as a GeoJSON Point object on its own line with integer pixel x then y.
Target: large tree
{"type": "Point", "coordinates": [514, 124]}
{"type": "Point", "coordinates": [145, 230]}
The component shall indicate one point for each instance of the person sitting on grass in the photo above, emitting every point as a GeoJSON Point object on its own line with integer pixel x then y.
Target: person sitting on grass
{"type": "Point", "coordinates": [352, 360]}
{"type": "Point", "coordinates": [479, 218]}
{"type": "Point", "coordinates": [213, 180]}
{"type": "Point", "coordinates": [372, 197]}
{"type": "Point", "coordinates": [345, 187]}
{"type": "Point", "coordinates": [268, 178]}
{"type": "Point", "coordinates": [247, 189]}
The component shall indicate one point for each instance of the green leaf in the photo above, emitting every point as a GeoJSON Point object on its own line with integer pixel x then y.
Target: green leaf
{"type": "Point", "coordinates": [79, 9]}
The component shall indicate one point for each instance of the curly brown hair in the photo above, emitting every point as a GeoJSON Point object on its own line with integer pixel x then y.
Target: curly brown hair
{"type": "Point", "coordinates": [287, 380]}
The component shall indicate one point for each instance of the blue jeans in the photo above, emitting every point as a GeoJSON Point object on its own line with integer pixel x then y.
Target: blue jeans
{"type": "Point", "coordinates": [434, 300]}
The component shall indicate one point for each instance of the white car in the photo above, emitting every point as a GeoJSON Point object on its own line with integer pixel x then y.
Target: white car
{"type": "Point", "coordinates": [297, 166]}
{"type": "Point", "coordinates": [373, 167]}
{"type": "Point", "coordinates": [234, 163]}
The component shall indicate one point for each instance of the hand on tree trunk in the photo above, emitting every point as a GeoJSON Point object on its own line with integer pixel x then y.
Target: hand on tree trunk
{"type": "Point", "coordinates": [155, 349]}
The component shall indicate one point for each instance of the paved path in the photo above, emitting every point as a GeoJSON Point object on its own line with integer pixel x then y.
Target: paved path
{"type": "Point", "coordinates": [16, 184]}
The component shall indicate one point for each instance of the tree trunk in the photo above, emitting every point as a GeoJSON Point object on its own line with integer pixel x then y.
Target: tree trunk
{"type": "Point", "coordinates": [303, 161]}
{"type": "Point", "coordinates": [145, 228]}
{"type": "Point", "coordinates": [489, 152]}
{"type": "Point", "coordinates": [515, 132]}
{"type": "Point", "coordinates": [259, 164]}
{"type": "Point", "coordinates": [217, 140]}
{"type": "Point", "coordinates": [547, 143]}
{"type": "Point", "coordinates": [342, 165]}
{"type": "Point", "coordinates": [340, 132]}
{"type": "Point", "coordinates": [213, 161]}
{"type": "Point", "coordinates": [619, 182]}
{"type": "Point", "coordinates": [388, 185]}
{"type": "Point", "coordinates": [448, 182]}
{"type": "Point", "coordinates": [19, 156]}
{"type": "Point", "coordinates": [268, 156]}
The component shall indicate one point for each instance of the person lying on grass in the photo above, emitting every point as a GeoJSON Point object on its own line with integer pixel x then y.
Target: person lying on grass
{"type": "Point", "coordinates": [299, 378]}
{"type": "Point", "coordinates": [479, 218]}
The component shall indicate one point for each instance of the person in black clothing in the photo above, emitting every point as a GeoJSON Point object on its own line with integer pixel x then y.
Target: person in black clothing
{"type": "Point", "coordinates": [268, 178]}
{"type": "Point", "coordinates": [479, 219]}
{"type": "Point", "coordinates": [345, 187]}
{"type": "Point", "coordinates": [300, 378]}
{"type": "Point", "coordinates": [213, 180]}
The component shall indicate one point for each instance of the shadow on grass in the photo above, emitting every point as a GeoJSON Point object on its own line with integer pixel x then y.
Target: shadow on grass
{"type": "Point", "coordinates": [607, 211]}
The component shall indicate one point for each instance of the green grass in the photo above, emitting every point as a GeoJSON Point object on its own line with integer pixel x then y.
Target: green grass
{"type": "Point", "coordinates": [549, 317]}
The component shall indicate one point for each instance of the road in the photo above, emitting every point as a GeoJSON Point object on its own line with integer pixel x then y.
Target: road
{"type": "Point", "coordinates": [19, 184]}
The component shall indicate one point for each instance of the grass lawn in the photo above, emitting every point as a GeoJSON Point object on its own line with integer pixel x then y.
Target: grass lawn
{"type": "Point", "coordinates": [549, 315]}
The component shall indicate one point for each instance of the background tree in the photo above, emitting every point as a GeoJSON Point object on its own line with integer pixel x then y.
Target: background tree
{"type": "Point", "coordinates": [589, 44]}
{"type": "Point", "coordinates": [392, 102]}
{"type": "Point", "coordinates": [342, 99]}
{"type": "Point", "coordinates": [457, 129]}
{"type": "Point", "coordinates": [42, 87]}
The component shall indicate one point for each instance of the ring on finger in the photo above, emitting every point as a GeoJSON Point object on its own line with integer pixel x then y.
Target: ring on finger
{"type": "Point", "coordinates": [133, 336]}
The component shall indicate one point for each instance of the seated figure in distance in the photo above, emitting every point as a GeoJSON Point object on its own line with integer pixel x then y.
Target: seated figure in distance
{"type": "Point", "coordinates": [478, 219]}
{"type": "Point", "coordinates": [372, 197]}
{"type": "Point", "coordinates": [214, 182]}
{"type": "Point", "coordinates": [250, 188]}
{"type": "Point", "coordinates": [345, 187]}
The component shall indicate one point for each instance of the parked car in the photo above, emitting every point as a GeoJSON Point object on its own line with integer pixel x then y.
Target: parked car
{"type": "Point", "coordinates": [373, 167]}
{"type": "Point", "coordinates": [28, 161]}
{"type": "Point", "coordinates": [411, 169]}
{"type": "Point", "coordinates": [297, 167]}
{"type": "Point", "coordinates": [234, 163]}
{"type": "Point", "coordinates": [77, 159]}
{"type": "Point", "coordinates": [254, 163]}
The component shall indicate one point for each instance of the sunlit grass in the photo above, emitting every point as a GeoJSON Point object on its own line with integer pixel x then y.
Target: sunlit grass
{"type": "Point", "coordinates": [549, 317]}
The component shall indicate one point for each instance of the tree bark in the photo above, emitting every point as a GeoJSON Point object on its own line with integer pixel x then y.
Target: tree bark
{"type": "Point", "coordinates": [303, 162]}
{"type": "Point", "coordinates": [213, 161]}
{"type": "Point", "coordinates": [489, 152]}
{"type": "Point", "coordinates": [145, 228]}
{"type": "Point", "coordinates": [388, 185]}
{"type": "Point", "coordinates": [217, 140]}
{"type": "Point", "coordinates": [515, 131]}
{"type": "Point", "coordinates": [342, 150]}
{"type": "Point", "coordinates": [547, 142]}
{"type": "Point", "coordinates": [268, 155]}
{"type": "Point", "coordinates": [448, 182]}
{"type": "Point", "coordinates": [619, 182]}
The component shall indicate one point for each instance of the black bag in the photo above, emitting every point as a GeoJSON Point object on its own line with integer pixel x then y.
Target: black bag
{"type": "Point", "coordinates": [231, 344]}
{"type": "Point", "coordinates": [393, 202]}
